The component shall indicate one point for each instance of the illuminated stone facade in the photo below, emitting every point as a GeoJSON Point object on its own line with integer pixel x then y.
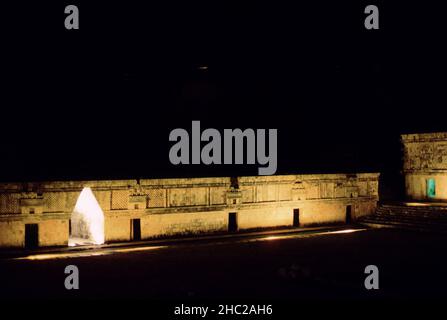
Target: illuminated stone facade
{"type": "Point", "coordinates": [425, 166]}
{"type": "Point", "coordinates": [168, 207]}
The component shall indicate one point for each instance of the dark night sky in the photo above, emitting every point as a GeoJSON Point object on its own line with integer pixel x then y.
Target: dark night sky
{"type": "Point", "coordinates": [100, 102]}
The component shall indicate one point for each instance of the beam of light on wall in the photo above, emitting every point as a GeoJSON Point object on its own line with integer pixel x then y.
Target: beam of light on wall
{"type": "Point", "coordinates": [87, 219]}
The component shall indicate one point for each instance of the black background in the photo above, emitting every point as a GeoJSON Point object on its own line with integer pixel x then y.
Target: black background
{"type": "Point", "coordinates": [99, 102]}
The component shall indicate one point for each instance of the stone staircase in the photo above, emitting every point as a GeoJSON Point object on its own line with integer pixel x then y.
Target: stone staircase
{"type": "Point", "coordinates": [424, 218]}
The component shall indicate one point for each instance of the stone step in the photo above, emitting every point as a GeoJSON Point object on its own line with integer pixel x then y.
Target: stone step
{"type": "Point", "coordinates": [403, 221]}
{"type": "Point", "coordinates": [415, 208]}
{"type": "Point", "coordinates": [433, 214]}
{"type": "Point", "coordinates": [400, 214]}
{"type": "Point", "coordinates": [399, 218]}
{"type": "Point", "coordinates": [414, 227]}
{"type": "Point", "coordinates": [432, 218]}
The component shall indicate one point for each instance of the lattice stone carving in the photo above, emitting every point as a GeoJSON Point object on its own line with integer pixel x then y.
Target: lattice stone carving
{"type": "Point", "coordinates": [120, 199]}
{"type": "Point", "coordinates": [9, 203]}
{"type": "Point", "coordinates": [157, 198]}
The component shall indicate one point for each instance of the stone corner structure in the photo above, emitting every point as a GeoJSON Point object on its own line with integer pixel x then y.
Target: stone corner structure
{"type": "Point", "coordinates": [425, 166]}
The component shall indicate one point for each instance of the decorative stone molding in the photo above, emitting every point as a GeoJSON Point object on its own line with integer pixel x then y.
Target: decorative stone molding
{"type": "Point", "coordinates": [425, 152]}
{"type": "Point", "coordinates": [128, 195]}
{"type": "Point", "coordinates": [138, 198]}
{"type": "Point", "coordinates": [138, 202]}
{"type": "Point", "coordinates": [234, 197]}
{"type": "Point", "coordinates": [298, 191]}
{"type": "Point", "coordinates": [31, 203]}
{"type": "Point", "coordinates": [352, 191]}
{"type": "Point", "coordinates": [373, 188]}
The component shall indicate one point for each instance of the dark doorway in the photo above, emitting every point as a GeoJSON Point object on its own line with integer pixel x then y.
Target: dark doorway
{"type": "Point", "coordinates": [296, 217]}
{"type": "Point", "coordinates": [31, 236]}
{"type": "Point", "coordinates": [348, 214]}
{"type": "Point", "coordinates": [232, 222]}
{"type": "Point", "coordinates": [136, 229]}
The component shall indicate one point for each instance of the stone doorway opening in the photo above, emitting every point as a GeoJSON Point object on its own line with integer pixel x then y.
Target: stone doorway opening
{"type": "Point", "coordinates": [296, 218]}
{"type": "Point", "coordinates": [135, 229]}
{"type": "Point", "coordinates": [87, 220]}
{"type": "Point", "coordinates": [348, 214]}
{"type": "Point", "coordinates": [31, 236]}
{"type": "Point", "coordinates": [232, 222]}
{"type": "Point", "coordinates": [431, 188]}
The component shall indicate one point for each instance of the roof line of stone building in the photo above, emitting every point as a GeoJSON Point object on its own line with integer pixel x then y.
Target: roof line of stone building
{"type": "Point", "coordinates": [422, 137]}
{"type": "Point", "coordinates": [186, 181]}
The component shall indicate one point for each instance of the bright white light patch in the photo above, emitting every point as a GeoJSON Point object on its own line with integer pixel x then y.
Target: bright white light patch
{"type": "Point", "coordinates": [87, 219]}
{"type": "Point", "coordinates": [417, 204]}
{"type": "Point", "coordinates": [347, 231]}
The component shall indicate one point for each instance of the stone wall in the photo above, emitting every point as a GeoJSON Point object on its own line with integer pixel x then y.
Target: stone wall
{"type": "Point", "coordinates": [425, 158]}
{"type": "Point", "coordinates": [168, 207]}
